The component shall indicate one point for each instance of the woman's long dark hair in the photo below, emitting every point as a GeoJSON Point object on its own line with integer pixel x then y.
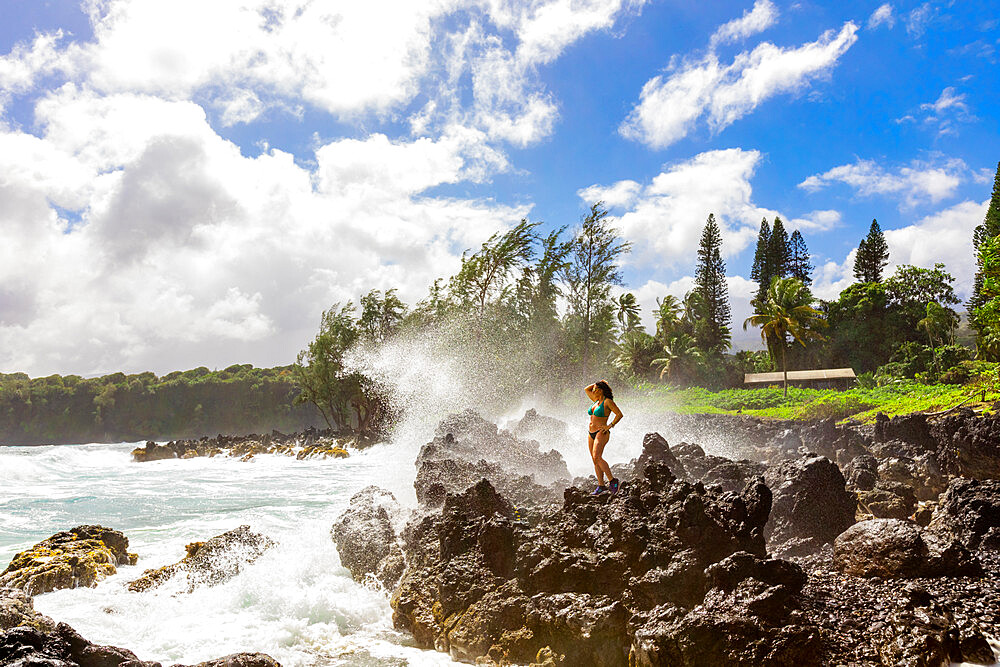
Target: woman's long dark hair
{"type": "Point", "coordinates": [605, 389]}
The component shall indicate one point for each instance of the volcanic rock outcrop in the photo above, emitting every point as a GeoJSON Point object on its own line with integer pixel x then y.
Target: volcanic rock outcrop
{"type": "Point", "coordinates": [211, 562]}
{"type": "Point", "coordinates": [366, 538]}
{"type": "Point", "coordinates": [309, 444]}
{"type": "Point", "coordinates": [69, 559]}
{"type": "Point", "coordinates": [467, 448]}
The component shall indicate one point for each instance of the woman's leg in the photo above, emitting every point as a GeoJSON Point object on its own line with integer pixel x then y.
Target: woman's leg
{"type": "Point", "coordinates": [591, 445]}
{"type": "Point", "coordinates": [598, 454]}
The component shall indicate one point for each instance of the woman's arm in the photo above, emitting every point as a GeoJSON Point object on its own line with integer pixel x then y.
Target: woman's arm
{"type": "Point", "coordinates": [591, 392]}
{"type": "Point", "coordinates": [615, 411]}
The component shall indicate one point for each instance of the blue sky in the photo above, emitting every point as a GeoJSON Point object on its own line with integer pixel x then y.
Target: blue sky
{"type": "Point", "coordinates": [185, 192]}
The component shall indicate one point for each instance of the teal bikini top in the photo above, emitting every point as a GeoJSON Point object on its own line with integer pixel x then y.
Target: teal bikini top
{"type": "Point", "coordinates": [597, 409]}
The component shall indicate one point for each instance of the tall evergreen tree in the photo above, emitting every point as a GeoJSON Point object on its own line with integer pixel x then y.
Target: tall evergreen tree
{"type": "Point", "coordinates": [710, 281]}
{"type": "Point", "coordinates": [800, 267]}
{"type": "Point", "coordinates": [779, 254]}
{"type": "Point", "coordinates": [988, 230]}
{"type": "Point", "coordinates": [760, 271]}
{"type": "Point", "coordinates": [872, 256]}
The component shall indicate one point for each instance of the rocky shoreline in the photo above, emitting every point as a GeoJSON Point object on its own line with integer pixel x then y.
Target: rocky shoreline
{"type": "Point", "coordinates": [828, 545]}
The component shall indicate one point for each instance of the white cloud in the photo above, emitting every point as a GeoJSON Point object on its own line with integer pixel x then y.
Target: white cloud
{"type": "Point", "coordinates": [763, 15]}
{"type": "Point", "coordinates": [816, 221]}
{"type": "Point", "coordinates": [671, 104]}
{"type": "Point", "coordinates": [918, 19]}
{"type": "Point", "coordinates": [945, 113]}
{"type": "Point", "coordinates": [944, 236]}
{"type": "Point", "coordinates": [882, 16]}
{"type": "Point", "coordinates": [619, 195]}
{"type": "Point", "coordinates": [665, 218]}
{"type": "Point", "coordinates": [918, 183]}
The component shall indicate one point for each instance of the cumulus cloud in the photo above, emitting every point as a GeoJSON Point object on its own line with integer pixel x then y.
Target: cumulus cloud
{"type": "Point", "coordinates": [133, 236]}
{"type": "Point", "coordinates": [943, 236]}
{"type": "Point", "coordinates": [882, 16]}
{"type": "Point", "coordinates": [665, 218]}
{"type": "Point", "coordinates": [763, 15]}
{"type": "Point", "coordinates": [671, 104]}
{"type": "Point", "coordinates": [920, 182]}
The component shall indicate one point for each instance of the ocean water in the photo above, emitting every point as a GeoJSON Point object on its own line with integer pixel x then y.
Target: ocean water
{"type": "Point", "coordinates": [296, 603]}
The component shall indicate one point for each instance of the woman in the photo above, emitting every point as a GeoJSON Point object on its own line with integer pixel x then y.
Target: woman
{"type": "Point", "coordinates": [600, 432]}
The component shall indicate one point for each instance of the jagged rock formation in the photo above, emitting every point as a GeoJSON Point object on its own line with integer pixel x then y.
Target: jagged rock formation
{"type": "Point", "coordinates": [467, 448]}
{"type": "Point", "coordinates": [30, 639]}
{"type": "Point", "coordinates": [366, 539]}
{"type": "Point", "coordinates": [970, 511]}
{"type": "Point", "coordinates": [211, 562]}
{"type": "Point", "coordinates": [69, 559]}
{"type": "Point", "coordinates": [894, 549]}
{"type": "Point", "coordinates": [309, 444]}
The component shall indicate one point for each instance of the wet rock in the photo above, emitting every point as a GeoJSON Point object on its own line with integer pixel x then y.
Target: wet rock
{"type": "Point", "coordinates": [912, 428]}
{"type": "Point", "coordinates": [893, 549]}
{"type": "Point", "coordinates": [888, 501]}
{"type": "Point", "coordinates": [18, 609]}
{"type": "Point", "coordinates": [152, 452]}
{"type": "Point", "coordinates": [535, 426]}
{"type": "Point", "coordinates": [861, 473]}
{"type": "Point", "coordinates": [811, 505]}
{"type": "Point", "coordinates": [969, 445]}
{"type": "Point", "coordinates": [655, 449]}
{"type": "Point", "coordinates": [324, 449]}
{"type": "Point", "coordinates": [467, 448]}
{"type": "Point", "coordinates": [970, 511]}
{"type": "Point", "coordinates": [366, 538]}
{"type": "Point", "coordinates": [69, 559]}
{"type": "Point", "coordinates": [241, 660]}
{"type": "Point", "coordinates": [211, 562]}
{"type": "Point", "coordinates": [480, 584]}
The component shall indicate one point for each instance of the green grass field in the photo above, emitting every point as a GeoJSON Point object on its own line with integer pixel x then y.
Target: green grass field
{"type": "Point", "coordinates": [858, 403]}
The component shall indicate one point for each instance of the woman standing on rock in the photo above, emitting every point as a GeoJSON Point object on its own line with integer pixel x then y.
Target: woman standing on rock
{"type": "Point", "coordinates": [600, 432]}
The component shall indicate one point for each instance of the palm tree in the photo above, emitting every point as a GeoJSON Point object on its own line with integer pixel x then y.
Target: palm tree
{"type": "Point", "coordinates": [786, 312]}
{"type": "Point", "coordinates": [668, 315]}
{"type": "Point", "coordinates": [680, 356]}
{"type": "Point", "coordinates": [634, 353]}
{"type": "Point", "coordinates": [628, 312]}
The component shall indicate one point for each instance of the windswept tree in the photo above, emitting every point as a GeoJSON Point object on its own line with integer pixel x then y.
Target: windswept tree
{"type": "Point", "coordinates": [486, 275]}
{"type": "Point", "coordinates": [872, 256]}
{"type": "Point", "coordinates": [591, 271]}
{"type": "Point", "coordinates": [989, 229]}
{"type": "Point", "coordinates": [800, 267]}
{"type": "Point", "coordinates": [381, 315]}
{"type": "Point", "coordinates": [319, 369]}
{"type": "Point", "coordinates": [787, 317]}
{"type": "Point", "coordinates": [779, 251]}
{"type": "Point", "coordinates": [715, 332]}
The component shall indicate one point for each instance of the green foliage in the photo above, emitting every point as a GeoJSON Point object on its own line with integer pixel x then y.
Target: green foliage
{"type": "Point", "coordinates": [120, 407]}
{"type": "Point", "coordinates": [799, 267]}
{"type": "Point", "coordinates": [989, 229]}
{"type": "Point", "coordinates": [381, 316]}
{"type": "Point", "coordinates": [715, 331]}
{"type": "Point", "coordinates": [761, 269]}
{"type": "Point", "coordinates": [872, 256]}
{"type": "Point", "coordinates": [627, 312]}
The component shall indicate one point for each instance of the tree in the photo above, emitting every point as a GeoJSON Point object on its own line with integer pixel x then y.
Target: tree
{"type": "Point", "coordinates": [380, 315]}
{"type": "Point", "coordinates": [788, 312]}
{"type": "Point", "coordinates": [319, 369]}
{"type": "Point", "coordinates": [779, 252]}
{"type": "Point", "coordinates": [668, 316]}
{"type": "Point", "coordinates": [634, 354]}
{"type": "Point", "coordinates": [987, 315]}
{"type": "Point", "coordinates": [939, 323]}
{"type": "Point", "coordinates": [484, 276]}
{"type": "Point", "coordinates": [760, 271]}
{"type": "Point", "coordinates": [628, 312]}
{"type": "Point", "coordinates": [872, 256]}
{"type": "Point", "coordinates": [800, 267]}
{"type": "Point", "coordinates": [681, 356]}
{"type": "Point", "coordinates": [990, 228]}
{"type": "Point", "coordinates": [591, 271]}
{"type": "Point", "coordinates": [710, 282]}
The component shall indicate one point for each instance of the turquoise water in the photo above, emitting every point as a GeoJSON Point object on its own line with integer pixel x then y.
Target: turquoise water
{"type": "Point", "coordinates": [296, 603]}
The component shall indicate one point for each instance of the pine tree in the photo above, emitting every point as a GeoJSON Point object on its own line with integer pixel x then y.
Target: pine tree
{"type": "Point", "coordinates": [800, 267]}
{"type": "Point", "coordinates": [710, 282]}
{"type": "Point", "coordinates": [761, 269]}
{"type": "Point", "coordinates": [872, 256]}
{"type": "Point", "coordinates": [988, 230]}
{"type": "Point", "coordinates": [779, 255]}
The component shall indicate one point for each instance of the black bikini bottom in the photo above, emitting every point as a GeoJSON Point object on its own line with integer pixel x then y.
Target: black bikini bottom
{"type": "Point", "coordinates": [593, 434]}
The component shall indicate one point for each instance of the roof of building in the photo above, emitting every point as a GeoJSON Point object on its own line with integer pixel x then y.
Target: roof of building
{"type": "Point", "coordinates": [820, 374]}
